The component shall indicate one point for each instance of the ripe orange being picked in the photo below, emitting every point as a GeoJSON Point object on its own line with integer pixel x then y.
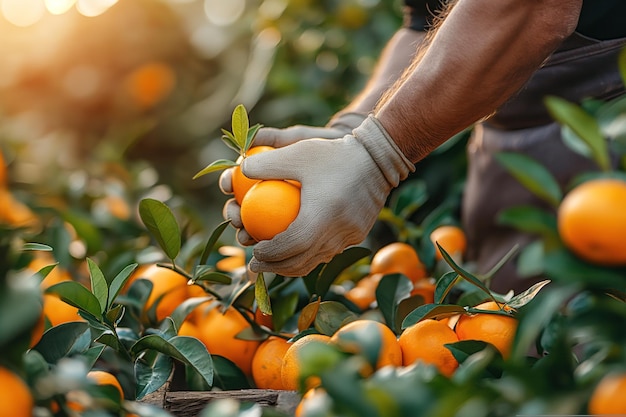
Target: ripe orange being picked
{"type": "Point", "coordinates": [498, 330]}
{"type": "Point", "coordinates": [390, 352]}
{"type": "Point", "coordinates": [591, 221]}
{"type": "Point", "coordinates": [424, 342]}
{"type": "Point", "coordinates": [451, 238]}
{"type": "Point", "coordinates": [398, 258]}
{"type": "Point", "coordinates": [241, 183]}
{"type": "Point", "coordinates": [16, 399]}
{"type": "Point", "coordinates": [269, 207]}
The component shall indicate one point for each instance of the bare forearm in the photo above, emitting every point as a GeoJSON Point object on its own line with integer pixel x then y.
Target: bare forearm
{"type": "Point", "coordinates": [481, 55]}
{"type": "Point", "coordinates": [394, 60]}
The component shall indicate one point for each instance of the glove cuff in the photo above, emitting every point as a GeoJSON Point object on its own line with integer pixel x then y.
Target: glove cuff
{"type": "Point", "coordinates": [346, 121]}
{"type": "Point", "coordinates": [384, 151]}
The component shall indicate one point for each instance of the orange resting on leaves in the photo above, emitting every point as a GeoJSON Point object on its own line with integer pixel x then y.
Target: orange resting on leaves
{"type": "Point", "coordinates": [169, 285]}
{"type": "Point", "coordinates": [451, 238]}
{"type": "Point", "coordinates": [591, 221]}
{"type": "Point", "coordinates": [269, 207]}
{"type": "Point", "coordinates": [241, 183]}
{"type": "Point", "coordinates": [424, 341]}
{"type": "Point", "coordinates": [491, 328]}
{"type": "Point", "coordinates": [290, 370]}
{"type": "Point", "coordinates": [218, 332]}
{"type": "Point", "coordinates": [398, 258]}
{"type": "Point", "coordinates": [390, 352]}
{"type": "Point", "coordinates": [267, 363]}
{"type": "Point", "coordinates": [16, 399]}
{"type": "Point", "coordinates": [608, 397]}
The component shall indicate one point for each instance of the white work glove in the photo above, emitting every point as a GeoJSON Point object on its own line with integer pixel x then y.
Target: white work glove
{"type": "Point", "coordinates": [345, 183]}
{"type": "Point", "coordinates": [340, 125]}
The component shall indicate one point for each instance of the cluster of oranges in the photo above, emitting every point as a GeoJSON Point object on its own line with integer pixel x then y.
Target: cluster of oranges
{"type": "Point", "coordinates": [402, 258]}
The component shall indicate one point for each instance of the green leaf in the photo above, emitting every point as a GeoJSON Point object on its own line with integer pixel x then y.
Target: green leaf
{"type": "Point", "coordinates": [99, 286]}
{"type": "Point", "coordinates": [563, 266]}
{"type": "Point", "coordinates": [219, 165]}
{"type": "Point", "coordinates": [525, 297]}
{"type": "Point", "coordinates": [532, 175]}
{"type": "Point", "coordinates": [188, 350]}
{"type": "Point", "coordinates": [208, 274]}
{"type": "Point", "coordinates": [181, 312]}
{"type": "Point", "coordinates": [530, 260]}
{"type": "Point", "coordinates": [240, 125]}
{"type": "Point", "coordinates": [251, 136]}
{"type": "Point", "coordinates": [64, 340]}
{"type": "Point", "coordinates": [20, 309]}
{"type": "Point", "coordinates": [152, 375]}
{"type": "Point", "coordinates": [162, 224]}
{"type": "Point", "coordinates": [210, 244]}
{"type": "Point", "coordinates": [118, 283]}
{"type": "Point", "coordinates": [391, 290]}
{"type": "Point", "coordinates": [331, 316]}
{"type": "Point", "coordinates": [583, 125]}
{"type": "Point", "coordinates": [535, 319]}
{"type": "Point", "coordinates": [444, 285]}
{"type": "Point", "coordinates": [466, 275]}
{"type": "Point", "coordinates": [283, 308]}
{"type": "Point", "coordinates": [43, 272]}
{"type": "Point", "coordinates": [331, 270]}
{"type": "Point", "coordinates": [230, 141]}
{"type": "Point", "coordinates": [531, 220]}
{"type": "Point", "coordinates": [261, 295]}
{"type": "Point", "coordinates": [431, 311]}
{"type": "Point", "coordinates": [36, 247]}
{"type": "Point", "coordinates": [476, 366]}
{"type": "Point", "coordinates": [77, 295]}
{"type": "Point", "coordinates": [228, 376]}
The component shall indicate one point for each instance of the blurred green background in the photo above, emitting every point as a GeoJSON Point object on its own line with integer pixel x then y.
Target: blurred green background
{"type": "Point", "coordinates": [105, 102]}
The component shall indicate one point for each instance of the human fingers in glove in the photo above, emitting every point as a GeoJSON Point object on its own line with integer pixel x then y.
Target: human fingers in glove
{"type": "Point", "coordinates": [345, 183]}
{"type": "Point", "coordinates": [339, 125]}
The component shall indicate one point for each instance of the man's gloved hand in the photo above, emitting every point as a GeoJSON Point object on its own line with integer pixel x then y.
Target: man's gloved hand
{"type": "Point", "coordinates": [340, 125]}
{"type": "Point", "coordinates": [345, 183]}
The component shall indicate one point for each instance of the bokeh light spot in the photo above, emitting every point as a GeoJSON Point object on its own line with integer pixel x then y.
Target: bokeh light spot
{"type": "Point", "coordinates": [92, 8]}
{"type": "Point", "coordinates": [58, 7]}
{"type": "Point", "coordinates": [23, 12]}
{"type": "Point", "coordinates": [222, 12]}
